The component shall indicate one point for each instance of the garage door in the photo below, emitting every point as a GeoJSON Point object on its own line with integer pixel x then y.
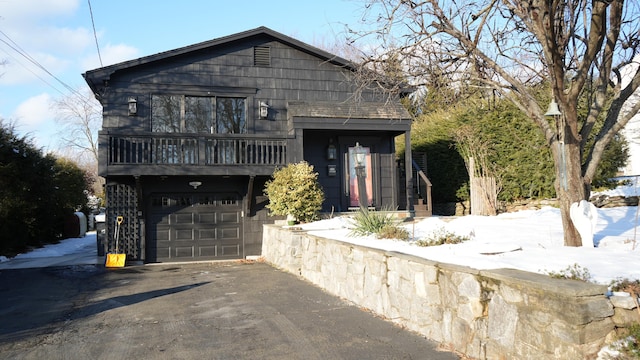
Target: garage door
{"type": "Point", "coordinates": [187, 227]}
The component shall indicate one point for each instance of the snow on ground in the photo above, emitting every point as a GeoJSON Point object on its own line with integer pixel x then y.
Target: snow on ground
{"type": "Point", "coordinates": [65, 247]}
{"type": "Point", "coordinates": [529, 240]}
{"type": "Point", "coordinates": [526, 240]}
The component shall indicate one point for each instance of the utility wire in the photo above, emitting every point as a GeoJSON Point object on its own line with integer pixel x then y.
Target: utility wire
{"type": "Point", "coordinates": [15, 47]}
{"type": "Point", "coordinates": [30, 70]}
{"type": "Point", "coordinates": [95, 36]}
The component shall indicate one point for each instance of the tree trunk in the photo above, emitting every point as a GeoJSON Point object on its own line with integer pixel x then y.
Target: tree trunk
{"type": "Point", "coordinates": [569, 186]}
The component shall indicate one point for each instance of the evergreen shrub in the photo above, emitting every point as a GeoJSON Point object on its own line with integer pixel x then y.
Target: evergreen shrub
{"type": "Point", "coordinates": [294, 190]}
{"type": "Point", "coordinates": [37, 192]}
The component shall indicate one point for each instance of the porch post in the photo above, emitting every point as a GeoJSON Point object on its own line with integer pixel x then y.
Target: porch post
{"type": "Point", "coordinates": [408, 166]}
{"type": "Point", "coordinates": [295, 152]}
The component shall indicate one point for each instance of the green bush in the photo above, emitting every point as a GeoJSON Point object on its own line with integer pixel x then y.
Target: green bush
{"type": "Point", "coordinates": [440, 237]}
{"type": "Point", "coordinates": [518, 150]}
{"type": "Point", "coordinates": [37, 192]}
{"type": "Point", "coordinates": [294, 190]}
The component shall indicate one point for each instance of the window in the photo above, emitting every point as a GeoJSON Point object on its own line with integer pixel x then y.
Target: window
{"type": "Point", "coordinates": [230, 116]}
{"type": "Point", "coordinates": [165, 112]}
{"type": "Point", "coordinates": [198, 114]}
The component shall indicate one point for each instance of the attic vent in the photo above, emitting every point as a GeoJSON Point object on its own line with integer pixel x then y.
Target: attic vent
{"type": "Point", "coordinates": [262, 56]}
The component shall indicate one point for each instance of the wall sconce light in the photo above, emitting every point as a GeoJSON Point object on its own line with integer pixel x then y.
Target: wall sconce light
{"type": "Point", "coordinates": [195, 184]}
{"type": "Point", "coordinates": [332, 152]}
{"type": "Point", "coordinates": [133, 106]}
{"type": "Point", "coordinates": [264, 109]}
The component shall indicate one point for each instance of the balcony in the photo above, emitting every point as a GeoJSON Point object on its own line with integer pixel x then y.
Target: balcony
{"type": "Point", "coordinates": [190, 154]}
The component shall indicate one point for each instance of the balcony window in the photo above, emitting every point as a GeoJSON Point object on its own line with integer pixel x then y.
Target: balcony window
{"type": "Point", "coordinates": [198, 114]}
{"type": "Point", "coordinates": [230, 116]}
{"type": "Point", "coordinates": [166, 113]}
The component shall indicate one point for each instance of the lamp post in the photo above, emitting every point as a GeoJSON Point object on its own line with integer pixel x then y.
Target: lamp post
{"type": "Point", "coordinates": [361, 175]}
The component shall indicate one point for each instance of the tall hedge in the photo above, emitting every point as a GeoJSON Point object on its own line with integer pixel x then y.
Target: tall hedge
{"type": "Point", "coordinates": [37, 192]}
{"type": "Point", "coordinates": [517, 148]}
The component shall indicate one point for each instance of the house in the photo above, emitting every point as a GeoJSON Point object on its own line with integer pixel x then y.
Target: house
{"type": "Point", "coordinates": [190, 136]}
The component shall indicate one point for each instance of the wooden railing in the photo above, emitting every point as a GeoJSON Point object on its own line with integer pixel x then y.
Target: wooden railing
{"type": "Point", "coordinates": [423, 189]}
{"type": "Point", "coordinates": [183, 149]}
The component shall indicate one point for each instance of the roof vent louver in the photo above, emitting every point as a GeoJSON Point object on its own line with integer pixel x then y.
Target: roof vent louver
{"type": "Point", "coordinates": [262, 56]}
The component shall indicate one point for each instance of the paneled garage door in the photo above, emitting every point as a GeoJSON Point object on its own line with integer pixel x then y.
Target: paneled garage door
{"type": "Point", "coordinates": [187, 227]}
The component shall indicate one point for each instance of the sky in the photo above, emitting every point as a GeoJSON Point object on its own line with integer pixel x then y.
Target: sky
{"type": "Point", "coordinates": [58, 36]}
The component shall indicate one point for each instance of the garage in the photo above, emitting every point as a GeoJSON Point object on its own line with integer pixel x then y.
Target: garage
{"type": "Point", "coordinates": [188, 227]}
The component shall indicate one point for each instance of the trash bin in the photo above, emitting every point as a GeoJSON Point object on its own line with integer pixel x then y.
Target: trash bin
{"type": "Point", "coordinates": [101, 234]}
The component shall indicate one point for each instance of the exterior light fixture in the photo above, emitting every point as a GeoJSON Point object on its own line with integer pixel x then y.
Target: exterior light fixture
{"type": "Point", "coordinates": [195, 184]}
{"type": "Point", "coordinates": [133, 106]}
{"type": "Point", "coordinates": [264, 109]}
{"type": "Point", "coordinates": [332, 152]}
{"type": "Point", "coordinates": [360, 154]}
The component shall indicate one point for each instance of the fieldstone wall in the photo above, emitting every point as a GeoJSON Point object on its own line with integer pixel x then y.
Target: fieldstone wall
{"type": "Point", "coordinates": [496, 314]}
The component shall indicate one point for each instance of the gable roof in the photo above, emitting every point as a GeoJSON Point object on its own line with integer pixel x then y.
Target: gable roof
{"type": "Point", "coordinates": [96, 77]}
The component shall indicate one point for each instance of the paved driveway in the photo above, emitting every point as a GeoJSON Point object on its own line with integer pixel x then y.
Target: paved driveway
{"type": "Point", "coordinates": [224, 310]}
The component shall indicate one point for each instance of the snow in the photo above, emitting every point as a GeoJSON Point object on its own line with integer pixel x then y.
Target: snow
{"type": "Point", "coordinates": [529, 240]}
{"type": "Point", "coordinates": [75, 251]}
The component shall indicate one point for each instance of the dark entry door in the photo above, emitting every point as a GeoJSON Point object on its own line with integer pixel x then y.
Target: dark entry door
{"type": "Point", "coordinates": [188, 227]}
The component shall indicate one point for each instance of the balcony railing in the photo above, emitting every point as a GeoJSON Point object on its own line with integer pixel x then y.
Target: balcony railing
{"type": "Point", "coordinates": [181, 149]}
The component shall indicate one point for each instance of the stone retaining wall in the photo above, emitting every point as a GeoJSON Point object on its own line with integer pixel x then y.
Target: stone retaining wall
{"type": "Point", "coordinates": [484, 314]}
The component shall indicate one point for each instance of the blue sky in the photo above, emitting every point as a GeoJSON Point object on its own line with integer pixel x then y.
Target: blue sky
{"type": "Point", "coordinates": [58, 35]}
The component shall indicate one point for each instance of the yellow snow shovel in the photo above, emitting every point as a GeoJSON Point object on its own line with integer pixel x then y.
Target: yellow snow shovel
{"type": "Point", "coordinates": [116, 260]}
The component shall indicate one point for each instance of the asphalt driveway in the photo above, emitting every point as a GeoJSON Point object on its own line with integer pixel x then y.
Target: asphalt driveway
{"type": "Point", "coordinates": [222, 310]}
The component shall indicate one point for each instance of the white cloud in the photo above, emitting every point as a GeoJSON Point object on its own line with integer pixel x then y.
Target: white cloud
{"type": "Point", "coordinates": [111, 54]}
{"type": "Point", "coordinates": [39, 30]}
{"type": "Point", "coordinates": [19, 70]}
{"type": "Point", "coordinates": [33, 112]}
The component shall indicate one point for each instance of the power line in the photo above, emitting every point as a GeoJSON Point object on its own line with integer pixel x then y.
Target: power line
{"type": "Point", "coordinates": [95, 36]}
{"type": "Point", "coordinates": [15, 47]}
{"type": "Point", "coordinates": [31, 71]}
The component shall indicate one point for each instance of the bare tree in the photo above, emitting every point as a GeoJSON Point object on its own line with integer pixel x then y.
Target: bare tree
{"type": "Point", "coordinates": [80, 117]}
{"type": "Point", "coordinates": [578, 47]}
